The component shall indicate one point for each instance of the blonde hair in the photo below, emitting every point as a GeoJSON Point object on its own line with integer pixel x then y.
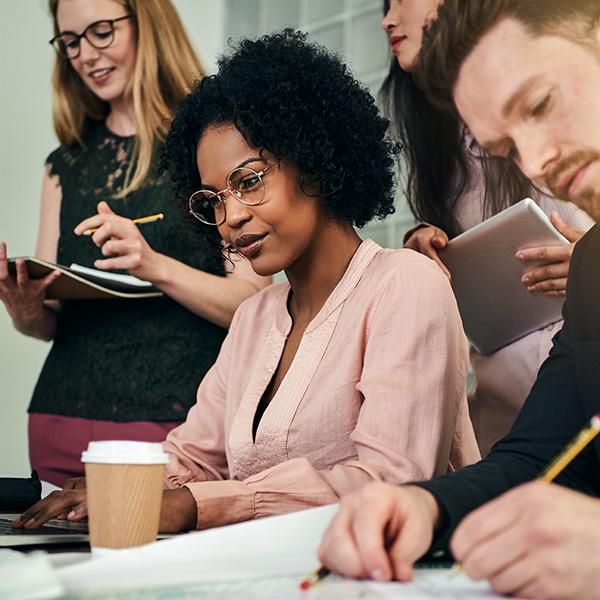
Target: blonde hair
{"type": "Point", "coordinates": [165, 70]}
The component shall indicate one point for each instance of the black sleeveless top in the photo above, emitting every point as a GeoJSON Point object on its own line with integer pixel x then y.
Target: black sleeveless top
{"type": "Point", "coordinates": [125, 360]}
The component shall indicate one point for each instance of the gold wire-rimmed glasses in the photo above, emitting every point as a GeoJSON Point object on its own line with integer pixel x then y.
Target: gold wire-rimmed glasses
{"type": "Point", "coordinates": [243, 183]}
{"type": "Point", "coordinates": [100, 34]}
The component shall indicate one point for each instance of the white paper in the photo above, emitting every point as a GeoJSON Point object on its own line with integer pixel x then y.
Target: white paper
{"type": "Point", "coordinates": [260, 549]}
{"type": "Point", "coordinates": [106, 276]}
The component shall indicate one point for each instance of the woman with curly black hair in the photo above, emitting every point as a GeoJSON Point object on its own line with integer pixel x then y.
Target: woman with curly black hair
{"type": "Point", "coordinates": [355, 369]}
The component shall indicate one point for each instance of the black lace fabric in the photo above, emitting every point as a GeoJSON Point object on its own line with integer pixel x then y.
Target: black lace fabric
{"type": "Point", "coordinates": [125, 360]}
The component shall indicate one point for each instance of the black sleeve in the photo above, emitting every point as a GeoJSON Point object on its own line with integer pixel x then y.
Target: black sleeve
{"type": "Point", "coordinates": [551, 416]}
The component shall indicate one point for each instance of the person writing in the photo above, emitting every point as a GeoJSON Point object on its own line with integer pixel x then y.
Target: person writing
{"type": "Point", "coordinates": [314, 392]}
{"type": "Point", "coordinates": [452, 186]}
{"type": "Point", "coordinates": [119, 368]}
{"type": "Point", "coordinates": [535, 540]}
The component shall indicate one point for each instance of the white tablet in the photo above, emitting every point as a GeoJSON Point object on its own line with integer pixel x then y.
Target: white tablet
{"type": "Point", "coordinates": [495, 306]}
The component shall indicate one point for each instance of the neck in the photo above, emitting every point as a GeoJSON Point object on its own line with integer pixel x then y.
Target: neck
{"type": "Point", "coordinates": [316, 273]}
{"type": "Point", "coordinates": [120, 118]}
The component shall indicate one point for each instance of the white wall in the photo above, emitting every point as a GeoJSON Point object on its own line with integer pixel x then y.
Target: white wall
{"type": "Point", "coordinates": [26, 138]}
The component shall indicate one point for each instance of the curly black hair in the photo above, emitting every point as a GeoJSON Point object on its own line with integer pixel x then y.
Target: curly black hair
{"type": "Point", "coordinates": [299, 102]}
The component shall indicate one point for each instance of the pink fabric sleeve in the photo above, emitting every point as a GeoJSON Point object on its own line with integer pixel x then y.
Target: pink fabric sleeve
{"type": "Point", "coordinates": [196, 448]}
{"type": "Point", "coordinates": [413, 383]}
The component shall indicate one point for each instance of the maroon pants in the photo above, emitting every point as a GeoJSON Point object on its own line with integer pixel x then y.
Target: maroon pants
{"type": "Point", "coordinates": [56, 443]}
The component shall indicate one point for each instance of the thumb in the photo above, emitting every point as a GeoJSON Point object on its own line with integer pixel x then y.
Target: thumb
{"type": "Point", "coordinates": [104, 208]}
{"type": "Point", "coordinates": [571, 233]}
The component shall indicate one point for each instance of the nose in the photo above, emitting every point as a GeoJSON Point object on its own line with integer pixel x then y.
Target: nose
{"type": "Point", "coordinates": [236, 213]}
{"type": "Point", "coordinates": [390, 20]}
{"type": "Point", "coordinates": [536, 154]}
{"type": "Point", "coordinates": [87, 52]}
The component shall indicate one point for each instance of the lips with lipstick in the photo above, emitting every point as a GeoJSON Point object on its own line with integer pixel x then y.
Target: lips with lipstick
{"type": "Point", "coordinates": [100, 75]}
{"type": "Point", "coordinates": [249, 244]}
{"type": "Point", "coordinates": [396, 40]}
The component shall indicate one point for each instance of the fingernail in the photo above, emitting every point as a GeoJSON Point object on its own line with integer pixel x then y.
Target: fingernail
{"type": "Point", "coordinates": [30, 522]}
{"type": "Point", "coordinates": [519, 255]}
{"type": "Point", "coordinates": [525, 279]}
{"type": "Point", "coordinates": [377, 575]}
{"type": "Point", "coordinates": [71, 514]}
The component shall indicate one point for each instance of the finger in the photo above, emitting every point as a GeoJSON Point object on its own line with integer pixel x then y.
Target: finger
{"type": "Point", "coordinates": [338, 551]}
{"type": "Point", "coordinates": [78, 513]}
{"type": "Point", "coordinates": [485, 522]}
{"type": "Point", "coordinates": [573, 234]}
{"type": "Point", "coordinates": [51, 277]}
{"type": "Point", "coordinates": [551, 285]}
{"type": "Point", "coordinates": [557, 294]}
{"type": "Point", "coordinates": [552, 271]}
{"type": "Point", "coordinates": [125, 263]}
{"type": "Point", "coordinates": [104, 208]}
{"type": "Point", "coordinates": [3, 262]}
{"type": "Point", "coordinates": [408, 548]}
{"type": "Point", "coordinates": [33, 510]}
{"type": "Point", "coordinates": [116, 247]}
{"type": "Point", "coordinates": [496, 553]}
{"type": "Point", "coordinates": [368, 530]}
{"type": "Point", "coordinates": [74, 483]}
{"type": "Point", "coordinates": [514, 577]}
{"type": "Point", "coordinates": [550, 254]}
{"type": "Point", "coordinates": [22, 275]}
{"type": "Point", "coordinates": [439, 239]}
{"type": "Point", "coordinates": [115, 228]}
{"type": "Point", "coordinates": [52, 506]}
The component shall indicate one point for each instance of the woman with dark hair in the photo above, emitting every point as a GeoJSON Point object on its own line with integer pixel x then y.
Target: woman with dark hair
{"type": "Point", "coordinates": [354, 370]}
{"type": "Point", "coordinates": [452, 186]}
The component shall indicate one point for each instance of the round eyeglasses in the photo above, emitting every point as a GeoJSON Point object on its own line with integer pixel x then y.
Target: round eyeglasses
{"type": "Point", "coordinates": [100, 34]}
{"type": "Point", "coordinates": [243, 183]}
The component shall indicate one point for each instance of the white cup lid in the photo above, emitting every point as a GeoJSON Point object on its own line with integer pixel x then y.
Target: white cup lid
{"type": "Point", "coordinates": [125, 453]}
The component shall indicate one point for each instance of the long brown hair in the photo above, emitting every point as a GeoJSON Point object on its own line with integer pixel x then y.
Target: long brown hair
{"type": "Point", "coordinates": [436, 163]}
{"type": "Point", "coordinates": [165, 70]}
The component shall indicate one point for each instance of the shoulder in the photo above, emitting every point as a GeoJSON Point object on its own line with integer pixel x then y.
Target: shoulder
{"type": "Point", "coordinates": [406, 268]}
{"type": "Point", "coordinates": [260, 308]}
{"type": "Point", "coordinates": [583, 271]}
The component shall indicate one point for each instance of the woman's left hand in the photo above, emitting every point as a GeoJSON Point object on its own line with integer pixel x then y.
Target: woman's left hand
{"type": "Point", "coordinates": [551, 278]}
{"type": "Point", "coordinates": [120, 239]}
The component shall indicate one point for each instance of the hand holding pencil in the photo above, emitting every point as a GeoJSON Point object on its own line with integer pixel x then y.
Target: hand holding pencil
{"type": "Point", "coordinates": [121, 242]}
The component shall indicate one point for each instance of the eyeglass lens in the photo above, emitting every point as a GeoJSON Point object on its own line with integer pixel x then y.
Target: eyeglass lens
{"type": "Point", "coordinates": [244, 184]}
{"type": "Point", "coordinates": [99, 35]}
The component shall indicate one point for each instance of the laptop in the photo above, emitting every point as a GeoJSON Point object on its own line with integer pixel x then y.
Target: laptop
{"type": "Point", "coordinates": [495, 307]}
{"type": "Point", "coordinates": [54, 532]}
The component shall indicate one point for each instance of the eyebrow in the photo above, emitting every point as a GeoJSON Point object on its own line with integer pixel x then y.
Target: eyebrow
{"type": "Point", "coordinates": [242, 164]}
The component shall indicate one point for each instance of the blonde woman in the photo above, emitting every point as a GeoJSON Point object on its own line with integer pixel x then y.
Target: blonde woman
{"type": "Point", "coordinates": [119, 369]}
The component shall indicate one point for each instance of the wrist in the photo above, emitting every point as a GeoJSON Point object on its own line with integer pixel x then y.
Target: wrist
{"type": "Point", "coordinates": [429, 503]}
{"type": "Point", "coordinates": [178, 511]}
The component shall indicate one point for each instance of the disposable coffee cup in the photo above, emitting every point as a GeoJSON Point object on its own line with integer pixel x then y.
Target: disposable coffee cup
{"type": "Point", "coordinates": [124, 487]}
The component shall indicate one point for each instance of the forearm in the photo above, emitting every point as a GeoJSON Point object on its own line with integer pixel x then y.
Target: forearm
{"type": "Point", "coordinates": [41, 325]}
{"type": "Point", "coordinates": [210, 296]}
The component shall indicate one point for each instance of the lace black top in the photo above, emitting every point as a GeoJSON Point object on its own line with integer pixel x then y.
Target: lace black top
{"type": "Point", "coordinates": [125, 360]}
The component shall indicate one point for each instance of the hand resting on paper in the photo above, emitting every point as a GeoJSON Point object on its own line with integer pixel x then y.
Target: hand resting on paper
{"type": "Point", "coordinates": [551, 279]}
{"type": "Point", "coordinates": [178, 511]}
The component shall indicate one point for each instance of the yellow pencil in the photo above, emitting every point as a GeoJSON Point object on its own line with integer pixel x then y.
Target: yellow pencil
{"type": "Point", "coordinates": [314, 577]}
{"type": "Point", "coordinates": [147, 219]}
{"type": "Point", "coordinates": [555, 468]}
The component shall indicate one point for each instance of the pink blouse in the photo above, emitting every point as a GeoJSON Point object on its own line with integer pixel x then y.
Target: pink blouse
{"type": "Point", "coordinates": [376, 391]}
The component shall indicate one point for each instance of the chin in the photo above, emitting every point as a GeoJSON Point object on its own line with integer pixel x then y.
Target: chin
{"type": "Point", "coordinates": [265, 267]}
